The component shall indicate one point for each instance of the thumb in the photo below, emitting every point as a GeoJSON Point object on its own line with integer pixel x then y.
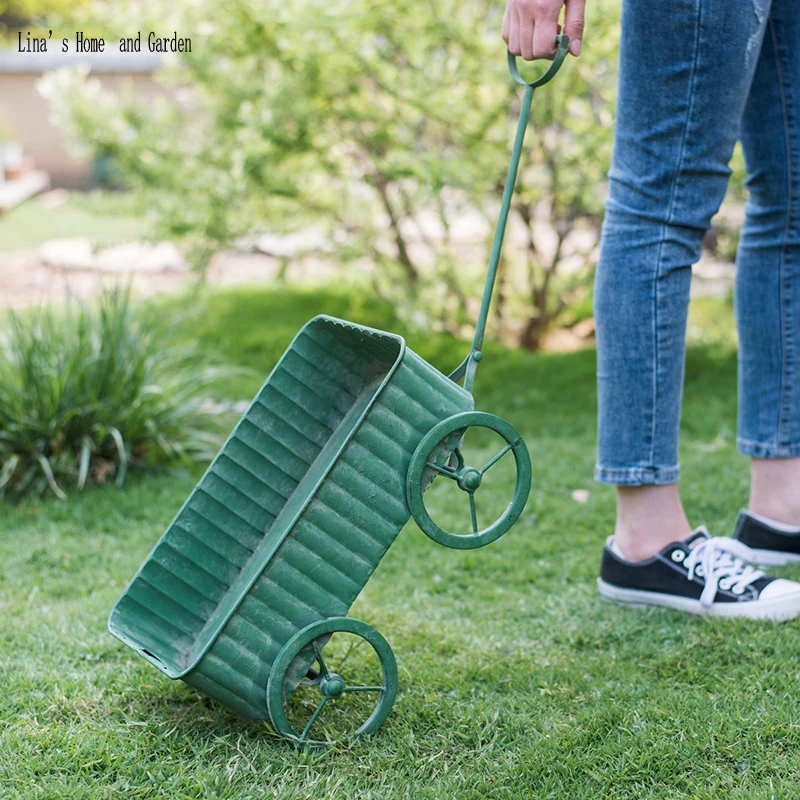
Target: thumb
{"type": "Point", "coordinates": [573, 24]}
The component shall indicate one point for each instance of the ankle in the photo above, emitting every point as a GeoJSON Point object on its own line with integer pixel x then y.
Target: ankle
{"type": "Point", "coordinates": [774, 489]}
{"type": "Point", "coordinates": [648, 519]}
{"type": "Point", "coordinates": [639, 544]}
{"type": "Point", "coordinates": [774, 511]}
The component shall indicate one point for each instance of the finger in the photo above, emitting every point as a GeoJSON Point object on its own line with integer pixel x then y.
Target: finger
{"type": "Point", "coordinates": [544, 34]}
{"type": "Point", "coordinates": [513, 33]}
{"type": "Point", "coordinates": [573, 24]}
{"type": "Point", "coordinates": [526, 35]}
{"type": "Point", "coordinates": [504, 33]}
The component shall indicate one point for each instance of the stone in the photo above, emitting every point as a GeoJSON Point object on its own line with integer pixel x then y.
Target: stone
{"type": "Point", "coordinates": [68, 253]}
{"type": "Point", "coordinates": [140, 257]}
{"type": "Point", "coordinates": [131, 257]}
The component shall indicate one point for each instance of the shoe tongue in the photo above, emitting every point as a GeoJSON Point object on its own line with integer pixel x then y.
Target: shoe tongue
{"type": "Point", "coordinates": [696, 537]}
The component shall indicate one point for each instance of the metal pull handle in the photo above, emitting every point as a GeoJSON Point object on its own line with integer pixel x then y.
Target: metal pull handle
{"type": "Point", "coordinates": [562, 45]}
{"type": "Point", "coordinates": [469, 365]}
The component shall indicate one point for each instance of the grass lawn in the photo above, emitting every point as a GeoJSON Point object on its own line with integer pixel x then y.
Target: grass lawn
{"type": "Point", "coordinates": [516, 680]}
{"type": "Point", "coordinates": [105, 217]}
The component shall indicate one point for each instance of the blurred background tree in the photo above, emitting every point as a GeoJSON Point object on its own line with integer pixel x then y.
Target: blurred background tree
{"type": "Point", "coordinates": [26, 11]}
{"type": "Point", "coordinates": [384, 127]}
{"type": "Point", "coordinates": [29, 15]}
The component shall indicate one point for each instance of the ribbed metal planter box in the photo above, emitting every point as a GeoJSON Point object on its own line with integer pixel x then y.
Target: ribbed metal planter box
{"type": "Point", "coordinates": [293, 515]}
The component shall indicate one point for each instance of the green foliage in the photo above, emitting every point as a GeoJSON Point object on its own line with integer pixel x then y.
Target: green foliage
{"type": "Point", "coordinates": [31, 10]}
{"type": "Point", "coordinates": [517, 681]}
{"type": "Point", "coordinates": [736, 188]}
{"type": "Point", "coordinates": [387, 126]}
{"type": "Point", "coordinates": [712, 321]}
{"type": "Point", "coordinates": [87, 393]}
{"type": "Point", "coordinates": [38, 17]}
{"type": "Point", "coordinates": [727, 240]}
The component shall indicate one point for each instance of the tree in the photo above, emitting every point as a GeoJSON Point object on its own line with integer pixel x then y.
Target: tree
{"type": "Point", "coordinates": [386, 124]}
{"type": "Point", "coordinates": [21, 14]}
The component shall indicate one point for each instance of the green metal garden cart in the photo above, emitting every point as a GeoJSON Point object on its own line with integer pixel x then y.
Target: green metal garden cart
{"type": "Point", "coordinates": [256, 572]}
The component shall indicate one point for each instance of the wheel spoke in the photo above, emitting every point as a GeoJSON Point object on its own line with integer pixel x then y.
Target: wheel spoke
{"type": "Point", "coordinates": [448, 473]}
{"type": "Point", "coordinates": [473, 512]}
{"type": "Point", "coordinates": [318, 653]}
{"type": "Point", "coordinates": [364, 688]}
{"type": "Point", "coordinates": [313, 717]}
{"type": "Point", "coordinates": [494, 460]}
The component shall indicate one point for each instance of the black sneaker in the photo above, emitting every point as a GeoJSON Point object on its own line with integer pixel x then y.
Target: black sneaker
{"type": "Point", "coordinates": [773, 546]}
{"type": "Point", "coordinates": [699, 575]}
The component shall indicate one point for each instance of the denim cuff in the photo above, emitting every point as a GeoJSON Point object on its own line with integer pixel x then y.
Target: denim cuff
{"type": "Point", "coordinates": [636, 476]}
{"type": "Point", "coordinates": [770, 450]}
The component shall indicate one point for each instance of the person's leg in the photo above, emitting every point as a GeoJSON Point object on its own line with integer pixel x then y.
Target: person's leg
{"type": "Point", "coordinates": [768, 297]}
{"type": "Point", "coordinates": [768, 274]}
{"type": "Point", "coordinates": [648, 517]}
{"type": "Point", "coordinates": [685, 72]}
{"type": "Point", "coordinates": [775, 489]}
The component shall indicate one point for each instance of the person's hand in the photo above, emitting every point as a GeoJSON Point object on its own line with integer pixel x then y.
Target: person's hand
{"type": "Point", "coordinates": [530, 27]}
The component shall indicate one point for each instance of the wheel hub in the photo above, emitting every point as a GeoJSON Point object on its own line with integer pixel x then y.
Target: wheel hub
{"type": "Point", "coordinates": [332, 685]}
{"type": "Point", "coordinates": [469, 480]}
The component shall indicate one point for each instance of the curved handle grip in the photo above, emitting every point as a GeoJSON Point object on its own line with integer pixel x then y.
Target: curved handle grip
{"type": "Point", "coordinates": [562, 42]}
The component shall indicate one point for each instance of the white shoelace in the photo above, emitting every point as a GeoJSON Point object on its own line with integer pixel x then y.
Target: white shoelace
{"type": "Point", "coordinates": [723, 563]}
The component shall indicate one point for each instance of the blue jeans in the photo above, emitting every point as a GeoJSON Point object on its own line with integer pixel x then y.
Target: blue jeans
{"type": "Point", "coordinates": [695, 76]}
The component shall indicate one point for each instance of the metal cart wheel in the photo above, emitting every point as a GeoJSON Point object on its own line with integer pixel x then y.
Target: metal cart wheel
{"type": "Point", "coordinates": [439, 454]}
{"type": "Point", "coordinates": [307, 645]}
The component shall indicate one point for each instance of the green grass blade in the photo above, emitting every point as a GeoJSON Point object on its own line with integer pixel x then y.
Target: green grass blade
{"type": "Point", "coordinates": [51, 480]}
{"type": "Point", "coordinates": [123, 456]}
{"type": "Point", "coordinates": [86, 452]}
{"type": "Point", "coordinates": [9, 465]}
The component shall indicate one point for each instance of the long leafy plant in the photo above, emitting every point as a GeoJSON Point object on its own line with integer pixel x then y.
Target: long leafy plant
{"type": "Point", "coordinates": [88, 392]}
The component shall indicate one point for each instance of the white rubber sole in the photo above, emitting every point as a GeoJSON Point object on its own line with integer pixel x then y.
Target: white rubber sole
{"type": "Point", "coordinates": [774, 558]}
{"type": "Point", "coordinates": [778, 609]}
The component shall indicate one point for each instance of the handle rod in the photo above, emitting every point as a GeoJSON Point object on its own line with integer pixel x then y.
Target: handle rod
{"type": "Point", "coordinates": [469, 367]}
{"type": "Point", "coordinates": [505, 207]}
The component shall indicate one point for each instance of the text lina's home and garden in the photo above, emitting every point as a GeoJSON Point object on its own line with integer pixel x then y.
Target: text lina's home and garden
{"type": "Point", "coordinates": [89, 44]}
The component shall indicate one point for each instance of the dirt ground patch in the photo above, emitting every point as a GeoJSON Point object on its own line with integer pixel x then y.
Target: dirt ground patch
{"type": "Point", "coordinates": [25, 279]}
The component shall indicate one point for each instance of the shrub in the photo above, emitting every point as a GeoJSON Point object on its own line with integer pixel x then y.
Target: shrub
{"type": "Point", "coordinates": [89, 392]}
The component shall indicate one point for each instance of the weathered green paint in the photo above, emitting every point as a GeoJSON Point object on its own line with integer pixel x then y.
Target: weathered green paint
{"type": "Point", "coordinates": [294, 514]}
